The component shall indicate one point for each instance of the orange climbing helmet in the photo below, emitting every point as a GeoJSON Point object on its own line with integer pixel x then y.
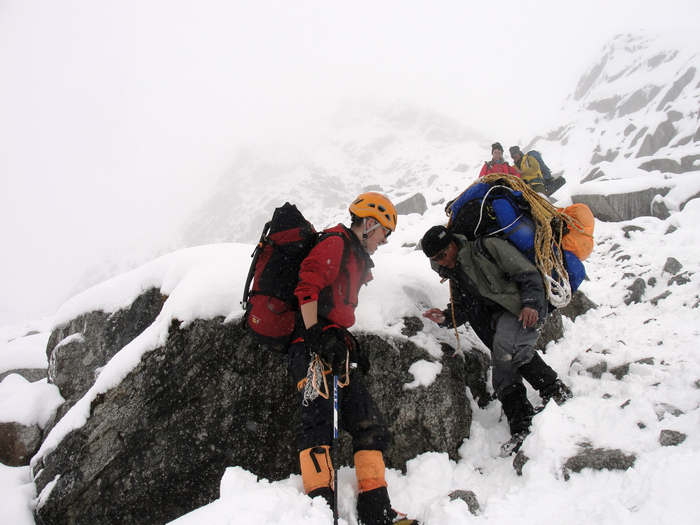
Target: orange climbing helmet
{"type": "Point", "coordinates": [377, 206]}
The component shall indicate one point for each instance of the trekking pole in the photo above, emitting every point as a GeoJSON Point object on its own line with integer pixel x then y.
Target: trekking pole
{"type": "Point", "coordinates": [335, 450]}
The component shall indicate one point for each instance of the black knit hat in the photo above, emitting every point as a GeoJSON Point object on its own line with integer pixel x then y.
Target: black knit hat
{"type": "Point", "coordinates": [515, 150]}
{"type": "Point", "coordinates": [435, 239]}
{"type": "Point", "coordinates": [496, 145]}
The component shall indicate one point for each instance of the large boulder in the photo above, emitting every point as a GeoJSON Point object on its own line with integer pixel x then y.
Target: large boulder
{"type": "Point", "coordinates": [618, 207]}
{"type": "Point", "coordinates": [155, 446]}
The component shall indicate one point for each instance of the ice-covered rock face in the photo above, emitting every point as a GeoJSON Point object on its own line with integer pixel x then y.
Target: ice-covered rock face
{"type": "Point", "coordinates": [649, 91]}
{"type": "Point", "coordinates": [631, 127]}
{"type": "Point", "coordinates": [641, 100]}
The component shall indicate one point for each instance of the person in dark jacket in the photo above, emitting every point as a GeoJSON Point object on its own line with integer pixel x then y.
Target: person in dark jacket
{"type": "Point", "coordinates": [500, 293]}
{"type": "Point", "coordinates": [330, 279]}
{"type": "Point", "coordinates": [497, 164]}
{"type": "Point", "coordinates": [528, 169]}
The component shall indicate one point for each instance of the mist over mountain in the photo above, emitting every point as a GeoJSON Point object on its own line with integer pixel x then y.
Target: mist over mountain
{"type": "Point", "coordinates": [397, 149]}
{"type": "Point", "coordinates": [633, 114]}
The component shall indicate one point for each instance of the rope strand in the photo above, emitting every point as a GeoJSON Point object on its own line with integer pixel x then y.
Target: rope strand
{"type": "Point", "coordinates": [549, 258]}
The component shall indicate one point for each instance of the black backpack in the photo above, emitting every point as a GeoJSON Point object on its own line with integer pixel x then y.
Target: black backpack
{"type": "Point", "coordinates": [268, 295]}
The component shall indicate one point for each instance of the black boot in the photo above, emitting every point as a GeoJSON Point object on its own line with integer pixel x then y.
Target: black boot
{"type": "Point", "coordinates": [519, 412]}
{"type": "Point", "coordinates": [325, 492]}
{"type": "Point", "coordinates": [517, 408]}
{"type": "Point", "coordinates": [557, 391]}
{"type": "Point", "coordinates": [374, 508]}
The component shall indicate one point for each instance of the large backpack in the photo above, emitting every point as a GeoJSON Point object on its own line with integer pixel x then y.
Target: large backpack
{"type": "Point", "coordinates": [270, 303]}
{"type": "Point", "coordinates": [546, 172]}
{"type": "Point", "coordinates": [505, 207]}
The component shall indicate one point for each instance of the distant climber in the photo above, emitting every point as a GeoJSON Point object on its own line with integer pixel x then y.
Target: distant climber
{"type": "Point", "coordinates": [497, 164]}
{"type": "Point", "coordinates": [528, 169]}
{"type": "Point", "coordinates": [495, 289]}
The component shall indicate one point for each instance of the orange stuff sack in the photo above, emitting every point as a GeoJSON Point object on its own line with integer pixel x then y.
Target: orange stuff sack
{"type": "Point", "coordinates": [579, 243]}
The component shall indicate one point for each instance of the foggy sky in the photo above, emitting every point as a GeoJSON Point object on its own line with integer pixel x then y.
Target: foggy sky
{"type": "Point", "coordinates": [116, 116]}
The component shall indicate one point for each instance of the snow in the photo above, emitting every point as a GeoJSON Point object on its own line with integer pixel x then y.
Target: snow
{"type": "Point", "coordinates": [626, 414]}
{"type": "Point", "coordinates": [657, 338]}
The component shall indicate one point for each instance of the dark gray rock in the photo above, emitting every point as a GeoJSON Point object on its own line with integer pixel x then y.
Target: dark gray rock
{"type": "Point", "coordinates": [579, 305]}
{"type": "Point", "coordinates": [662, 136]}
{"type": "Point", "coordinates": [598, 369]}
{"type": "Point", "coordinates": [411, 326]}
{"type": "Point", "coordinates": [662, 165]}
{"type": "Point", "coordinates": [636, 290]}
{"type": "Point", "coordinates": [414, 204]}
{"type": "Point", "coordinates": [621, 206]}
{"type": "Point", "coordinates": [671, 438]}
{"type": "Point", "coordinates": [637, 100]}
{"type": "Point", "coordinates": [469, 498]}
{"type": "Point", "coordinates": [598, 459]}
{"type": "Point", "coordinates": [553, 330]}
{"type": "Point", "coordinates": [680, 279]}
{"type": "Point", "coordinates": [608, 157]}
{"type": "Point", "coordinates": [476, 368]}
{"type": "Point", "coordinates": [672, 266]}
{"type": "Point", "coordinates": [656, 300]}
{"type": "Point", "coordinates": [18, 443]}
{"type": "Point", "coordinates": [677, 88]}
{"type": "Point", "coordinates": [664, 409]}
{"type": "Point", "coordinates": [155, 447]}
{"type": "Point", "coordinates": [30, 374]}
{"type": "Point", "coordinates": [621, 371]}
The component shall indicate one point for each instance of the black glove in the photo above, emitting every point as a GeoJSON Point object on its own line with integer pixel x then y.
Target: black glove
{"type": "Point", "coordinates": [330, 346]}
{"type": "Point", "coordinates": [359, 356]}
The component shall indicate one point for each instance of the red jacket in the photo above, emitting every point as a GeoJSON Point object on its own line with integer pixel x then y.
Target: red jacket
{"type": "Point", "coordinates": [497, 167]}
{"type": "Point", "coordinates": [322, 279]}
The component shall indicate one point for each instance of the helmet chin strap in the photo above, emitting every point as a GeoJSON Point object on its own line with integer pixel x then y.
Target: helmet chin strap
{"type": "Point", "coordinates": [366, 231]}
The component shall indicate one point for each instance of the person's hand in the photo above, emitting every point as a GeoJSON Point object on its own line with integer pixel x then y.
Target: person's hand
{"type": "Point", "coordinates": [528, 316]}
{"type": "Point", "coordinates": [435, 315]}
{"type": "Point", "coordinates": [330, 346]}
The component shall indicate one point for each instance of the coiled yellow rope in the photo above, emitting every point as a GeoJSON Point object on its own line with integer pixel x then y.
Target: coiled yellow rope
{"type": "Point", "coordinates": [548, 257]}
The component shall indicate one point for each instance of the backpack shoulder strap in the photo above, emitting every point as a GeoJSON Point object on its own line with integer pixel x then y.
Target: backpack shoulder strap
{"type": "Point", "coordinates": [343, 260]}
{"type": "Point", "coordinates": [483, 250]}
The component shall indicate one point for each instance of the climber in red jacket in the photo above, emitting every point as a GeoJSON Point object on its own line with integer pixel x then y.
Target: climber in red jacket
{"type": "Point", "coordinates": [497, 164]}
{"type": "Point", "coordinates": [329, 283]}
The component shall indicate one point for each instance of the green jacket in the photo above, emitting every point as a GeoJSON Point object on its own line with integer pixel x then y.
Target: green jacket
{"type": "Point", "coordinates": [498, 271]}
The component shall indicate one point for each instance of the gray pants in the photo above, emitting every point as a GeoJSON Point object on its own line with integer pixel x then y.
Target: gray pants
{"type": "Point", "coordinates": [513, 346]}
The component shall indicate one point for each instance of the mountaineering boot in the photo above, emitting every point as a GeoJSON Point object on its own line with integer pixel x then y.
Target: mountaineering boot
{"type": "Point", "coordinates": [517, 408]}
{"type": "Point", "coordinates": [325, 492]}
{"type": "Point", "coordinates": [557, 391]}
{"type": "Point", "coordinates": [513, 444]}
{"type": "Point", "coordinates": [519, 412]}
{"type": "Point", "coordinates": [374, 508]}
